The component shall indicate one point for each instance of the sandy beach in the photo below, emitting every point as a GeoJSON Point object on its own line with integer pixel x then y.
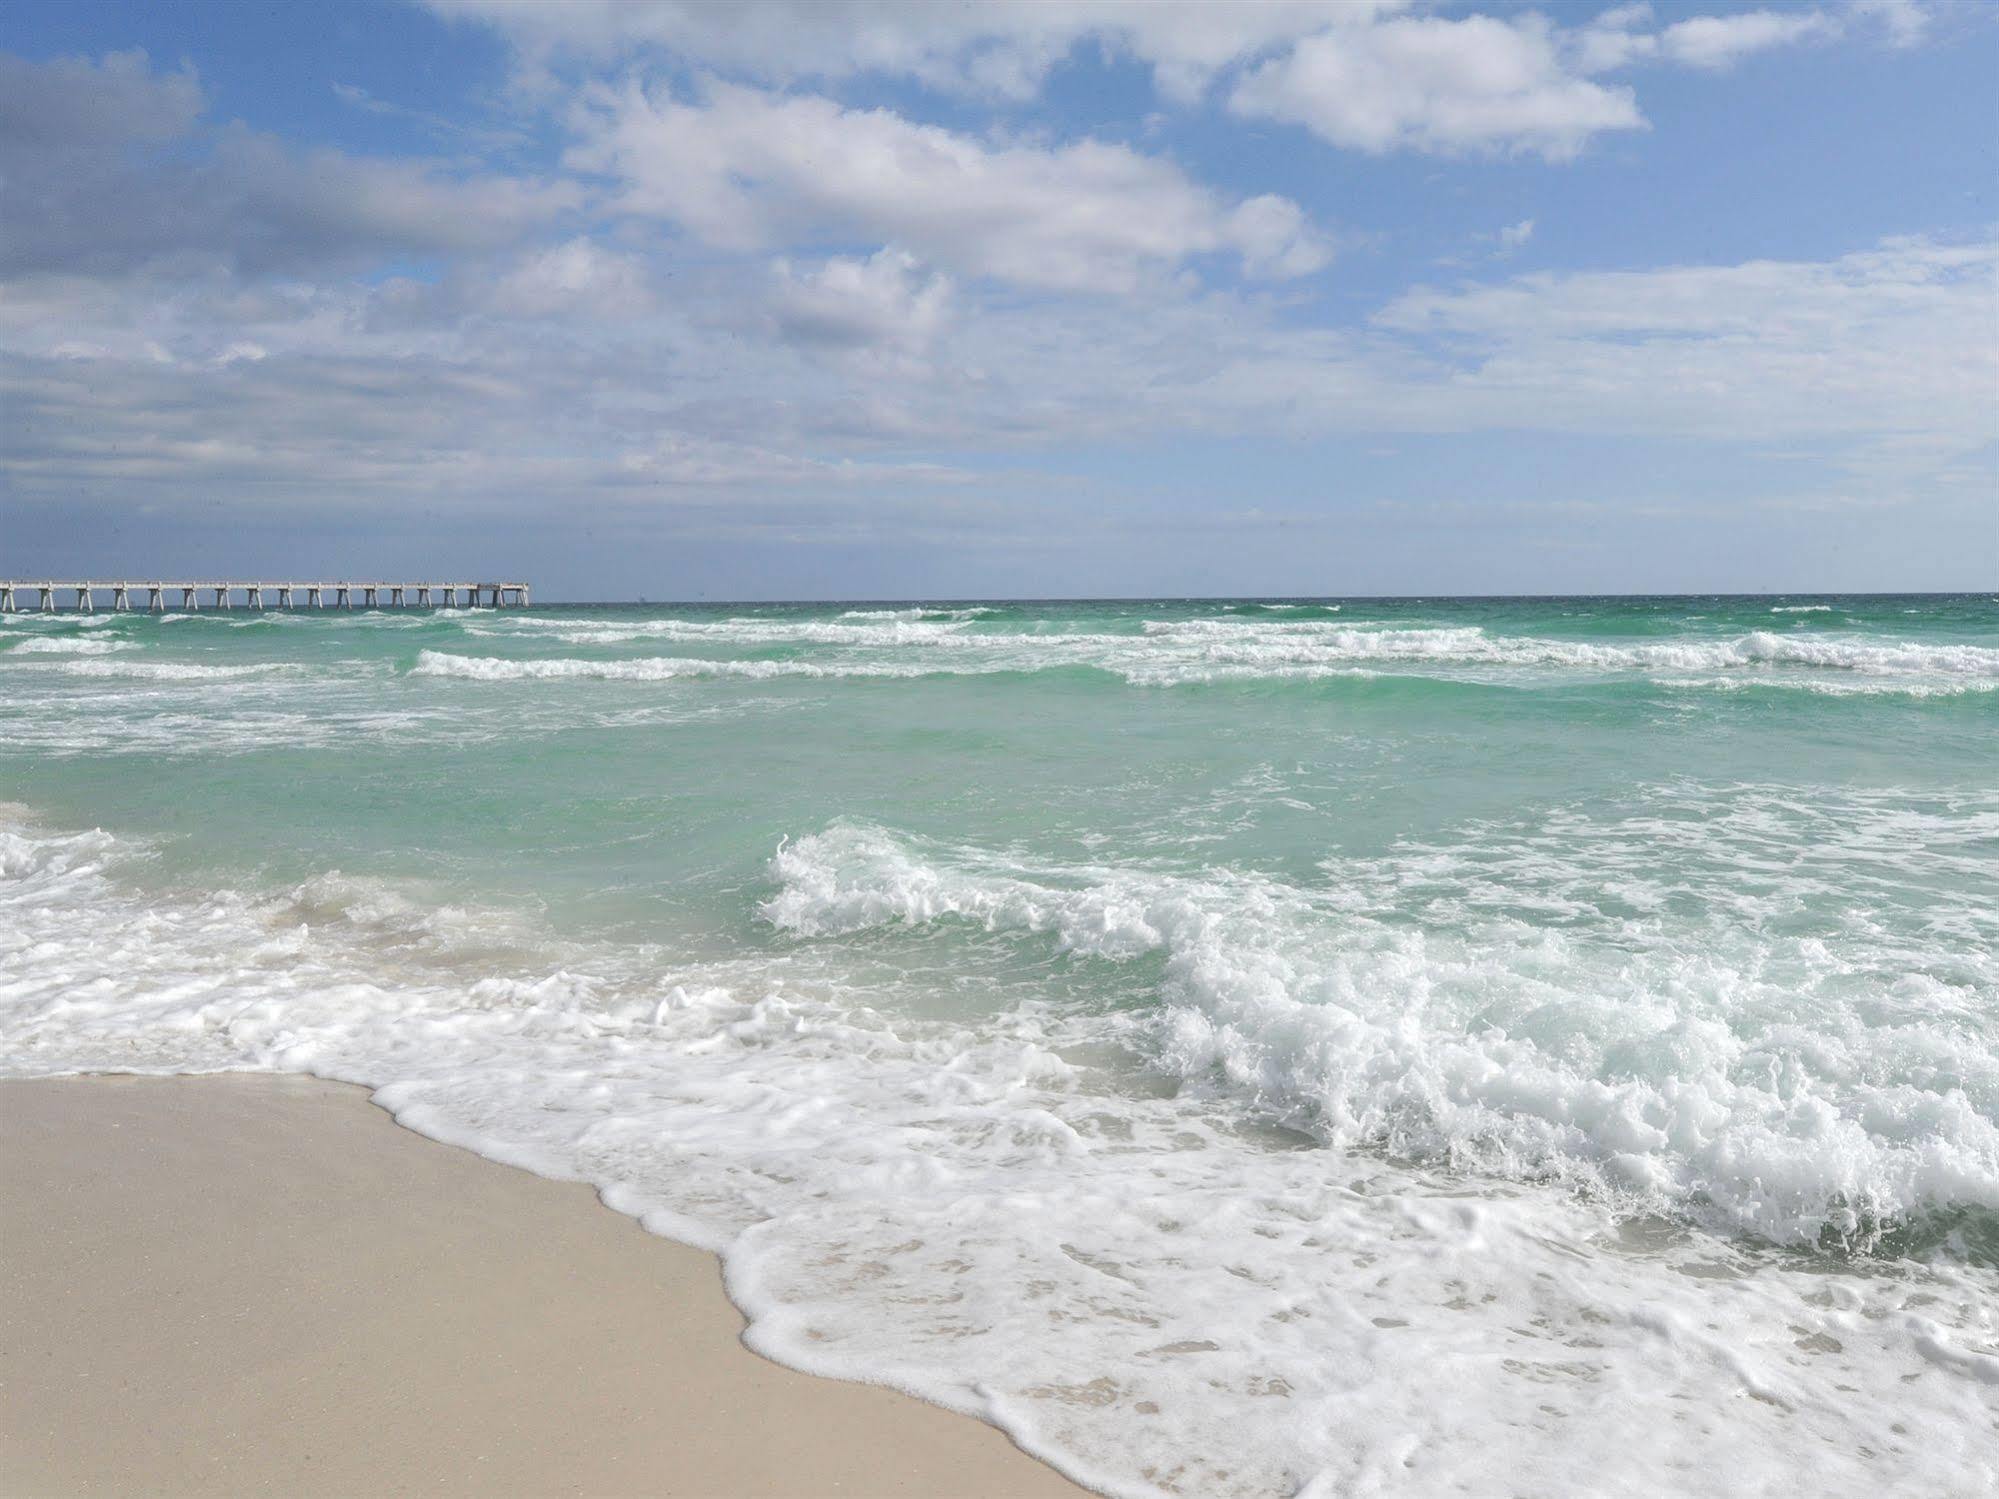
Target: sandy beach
{"type": "Point", "coordinates": [260, 1285]}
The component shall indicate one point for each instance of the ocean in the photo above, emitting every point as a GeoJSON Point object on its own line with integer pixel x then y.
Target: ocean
{"type": "Point", "coordinates": [1358, 1047]}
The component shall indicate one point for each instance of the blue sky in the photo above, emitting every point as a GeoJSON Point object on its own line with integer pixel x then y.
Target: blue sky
{"type": "Point", "coordinates": [873, 299]}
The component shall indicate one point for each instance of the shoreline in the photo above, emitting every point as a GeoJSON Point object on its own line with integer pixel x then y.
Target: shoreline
{"type": "Point", "coordinates": [248, 1282]}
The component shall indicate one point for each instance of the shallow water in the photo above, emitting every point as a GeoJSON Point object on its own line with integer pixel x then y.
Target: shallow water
{"type": "Point", "coordinates": [1359, 1047]}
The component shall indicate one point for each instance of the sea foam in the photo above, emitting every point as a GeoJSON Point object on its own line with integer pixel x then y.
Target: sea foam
{"type": "Point", "coordinates": [67, 645]}
{"type": "Point", "coordinates": [1139, 1282]}
{"type": "Point", "coordinates": [644, 669]}
{"type": "Point", "coordinates": [1185, 652]}
{"type": "Point", "coordinates": [1611, 1053]}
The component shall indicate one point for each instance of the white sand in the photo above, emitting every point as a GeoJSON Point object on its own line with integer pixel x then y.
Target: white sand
{"type": "Point", "coordinates": [260, 1285]}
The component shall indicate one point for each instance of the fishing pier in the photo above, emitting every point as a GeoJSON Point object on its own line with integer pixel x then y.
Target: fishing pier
{"type": "Point", "coordinates": [49, 594]}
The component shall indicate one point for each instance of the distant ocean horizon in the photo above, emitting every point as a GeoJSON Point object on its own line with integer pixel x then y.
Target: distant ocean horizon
{"type": "Point", "coordinates": [1240, 1046]}
{"type": "Point", "coordinates": [946, 600]}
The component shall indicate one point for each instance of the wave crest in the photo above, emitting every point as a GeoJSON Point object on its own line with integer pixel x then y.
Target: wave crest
{"type": "Point", "coordinates": [1607, 1053]}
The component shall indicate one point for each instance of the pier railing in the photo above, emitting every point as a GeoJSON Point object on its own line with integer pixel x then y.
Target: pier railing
{"type": "Point", "coordinates": [48, 594]}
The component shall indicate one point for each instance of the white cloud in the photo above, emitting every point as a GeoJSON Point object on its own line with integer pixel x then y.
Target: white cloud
{"type": "Point", "coordinates": [746, 169]}
{"type": "Point", "coordinates": [1007, 48]}
{"type": "Point", "coordinates": [1626, 35]}
{"type": "Point", "coordinates": [579, 277]}
{"type": "Point", "coordinates": [1274, 238]}
{"type": "Point", "coordinates": [1722, 41]}
{"type": "Point", "coordinates": [1371, 75]}
{"type": "Point", "coordinates": [1001, 47]}
{"type": "Point", "coordinates": [1432, 84]}
{"type": "Point", "coordinates": [459, 396]}
{"type": "Point", "coordinates": [180, 322]}
{"type": "Point", "coordinates": [1613, 39]}
{"type": "Point", "coordinates": [887, 301]}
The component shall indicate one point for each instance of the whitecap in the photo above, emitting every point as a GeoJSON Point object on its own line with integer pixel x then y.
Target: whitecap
{"type": "Point", "coordinates": [68, 645]}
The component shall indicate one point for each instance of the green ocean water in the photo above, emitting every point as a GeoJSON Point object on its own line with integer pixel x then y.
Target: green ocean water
{"type": "Point", "coordinates": [1272, 746]}
{"type": "Point", "coordinates": [1594, 1001]}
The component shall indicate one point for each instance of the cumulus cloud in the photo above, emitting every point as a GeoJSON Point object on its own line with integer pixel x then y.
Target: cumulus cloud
{"type": "Point", "coordinates": [748, 169]}
{"type": "Point", "coordinates": [576, 278]}
{"type": "Point", "coordinates": [887, 301]}
{"type": "Point", "coordinates": [1431, 84]}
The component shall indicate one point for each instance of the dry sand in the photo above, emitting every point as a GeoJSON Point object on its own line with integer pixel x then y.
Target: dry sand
{"type": "Point", "coordinates": [261, 1285]}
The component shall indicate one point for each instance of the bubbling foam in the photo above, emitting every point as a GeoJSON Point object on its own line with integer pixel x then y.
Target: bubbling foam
{"type": "Point", "coordinates": [1658, 1062]}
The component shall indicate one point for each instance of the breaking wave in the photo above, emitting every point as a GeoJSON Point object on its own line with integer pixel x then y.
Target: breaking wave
{"type": "Point", "coordinates": [67, 645]}
{"type": "Point", "coordinates": [165, 671]}
{"type": "Point", "coordinates": [1617, 1051]}
{"type": "Point", "coordinates": [645, 669]}
{"type": "Point", "coordinates": [1182, 652]}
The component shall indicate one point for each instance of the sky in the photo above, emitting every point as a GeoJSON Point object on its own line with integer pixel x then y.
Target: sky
{"type": "Point", "coordinates": [873, 299]}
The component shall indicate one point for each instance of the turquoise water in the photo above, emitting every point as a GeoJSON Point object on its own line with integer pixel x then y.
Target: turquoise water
{"type": "Point", "coordinates": [1182, 1032]}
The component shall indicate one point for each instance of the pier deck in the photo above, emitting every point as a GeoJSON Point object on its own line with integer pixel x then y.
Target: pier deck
{"type": "Point", "coordinates": [48, 594]}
